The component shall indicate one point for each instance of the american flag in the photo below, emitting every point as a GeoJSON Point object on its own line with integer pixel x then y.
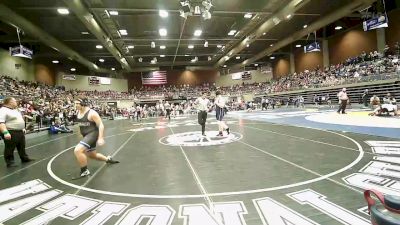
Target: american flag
{"type": "Point", "coordinates": [154, 78]}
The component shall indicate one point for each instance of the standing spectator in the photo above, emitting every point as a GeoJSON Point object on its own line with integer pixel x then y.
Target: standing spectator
{"type": "Point", "coordinates": [343, 98]}
{"type": "Point", "coordinates": [12, 128]}
{"type": "Point", "coordinates": [365, 97]}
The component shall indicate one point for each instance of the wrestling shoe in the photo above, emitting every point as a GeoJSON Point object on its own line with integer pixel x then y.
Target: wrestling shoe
{"type": "Point", "coordinates": [85, 173]}
{"type": "Point", "coordinates": [111, 161]}
{"type": "Point", "coordinates": [228, 130]}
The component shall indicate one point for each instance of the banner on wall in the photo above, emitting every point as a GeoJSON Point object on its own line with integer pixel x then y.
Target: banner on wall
{"type": "Point", "coordinates": [21, 51]}
{"type": "Point", "coordinates": [69, 77]}
{"type": "Point", "coordinates": [246, 75]}
{"type": "Point", "coordinates": [236, 76]}
{"type": "Point", "coordinates": [105, 80]}
{"type": "Point", "coordinates": [94, 80]}
{"type": "Point", "coordinates": [375, 22]}
{"type": "Point", "coordinates": [313, 47]}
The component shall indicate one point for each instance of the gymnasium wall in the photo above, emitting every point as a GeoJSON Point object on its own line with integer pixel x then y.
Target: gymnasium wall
{"type": "Point", "coordinates": [393, 31]}
{"type": "Point", "coordinates": [307, 61]}
{"type": "Point", "coordinates": [281, 68]}
{"type": "Point", "coordinates": [82, 83]}
{"type": "Point", "coordinates": [45, 74]}
{"type": "Point", "coordinates": [256, 77]}
{"type": "Point", "coordinates": [8, 66]}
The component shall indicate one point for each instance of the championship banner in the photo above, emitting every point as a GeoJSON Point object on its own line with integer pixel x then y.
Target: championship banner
{"type": "Point", "coordinates": [105, 80]}
{"type": "Point", "coordinates": [236, 76]}
{"type": "Point", "coordinates": [94, 80]}
{"type": "Point", "coordinates": [21, 51]}
{"type": "Point", "coordinates": [313, 47]}
{"type": "Point", "coordinates": [376, 22]}
{"type": "Point", "coordinates": [69, 77]}
{"type": "Point", "coordinates": [246, 75]}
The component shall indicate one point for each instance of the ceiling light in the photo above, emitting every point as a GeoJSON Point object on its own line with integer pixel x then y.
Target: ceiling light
{"type": "Point", "coordinates": [197, 10]}
{"type": "Point", "coordinates": [187, 55]}
{"type": "Point", "coordinates": [209, 58]}
{"type": "Point", "coordinates": [289, 16]}
{"type": "Point", "coordinates": [272, 57]}
{"type": "Point", "coordinates": [73, 69]}
{"type": "Point", "coordinates": [197, 33]}
{"type": "Point", "coordinates": [113, 69]}
{"type": "Point", "coordinates": [224, 65]}
{"type": "Point", "coordinates": [248, 45]}
{"type": "Point", "coordinates": [248, 15]}
{"type": "Point", "coordinates": [163, 13]}
{"type": "Point", "coordinates": [131, 46]}
{"type": "Point", "coordinates": [298, 46]}
{"type": "Point", "coordinates": [264, 33]}
{"type": "Point", "coordinates": [237, 57]}
{"type": "Point", "coordinates": [163, 32]}
{"type": "Point", "coordinates": [113, 13]}
{"type": "Point", "coordinates": [205, 44]}
{"type": "Point", "coordinates": [101, 60]}
{"type": "Point", "coordinates": [227, 58]}
{"type": "Point", "coordinates": [338, 27]}
{"type": "Point", "coordinates": [232, 32]}
{"type": "Point", "coordinates": [63, 11]}
{"type": "Point", "coordinates": [305, 26]}
{"type": "Point", "coordinates": [84, 32]}
{"type": "Point", "coordinates": [255, 64]}
{"type": "Point", "coordinates": [206, 15]}
{"type": "Point", "coordinates": [152, 44]}
{"type": "Point", "coordinates": [191, 46]}
{"type": "Point", "coordinates": [162, 56]}
{"type": "Point", "coordinates": [123, 32]}
{"type": "Point", "coordinates": [271, 45]}
{"type": "Point", "coordinates": [219, 46]}
{"type": "Point", "coordinates": [55, 61]}
{"type": "Point", "coordinates": [162, 46]}
{"type": "Point", "coordinates": [99, 46]}
{"type": "Point", "coordinates": [140, 59]}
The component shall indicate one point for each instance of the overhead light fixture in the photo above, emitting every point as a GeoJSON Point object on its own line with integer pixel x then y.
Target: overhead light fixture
{"type": "Point", "coordinates": [162, 47]}
{"type": "Point", "coordinates": [197, 10]}
{"type": "Point", "coordinates": [163, 32]}
{"type": "Point", "coordinates": [338, 27]}
{"type": "Point", "coordinates": [99, 46]}
{"type": "Point", "coordinates": [264, 33]}
{"type": "Point", "coordinates": [197, 32]}
{"type": "Point", "coordinates": [255, 64]}
{"type": "Point", "coordinates": [298, 46]}
{"type": "Point", "coordinates": [123, 32]}
{"type": "Point", "coordinates": [191, 46]}
{"type": "Point", "coordinates": [271, 45]}
{"type": "Point", "coordinates": [187, 55]}
{"type": "Point", "coordinates": [248, 15]}
{"type": "Point", "coordinates": [163, 13]}
{"type": "Point", "coordinates": [84, 32]}
{"type": "Point", "coordinates": [152, 44]}
{"type": "Point", "coordinates": [184, 2]}
{"type": "Point", "coordinates": [205, 44]}
{"type": "Point", "coordinates": [289, 16]}
{"type": "Point", "coordinates": [131, 46]}
{"type": "Point", "coordinates": [140, 59]}
{"type": "Point", "coordinates": [219, 46]}
{"type": "Point", "coordinates": [225, 66]}
{"type": "Point", "coordinates": [209, 58]}
{"type": "Point", "coordinates": [113, 13]}
{"type": "Point", "coordinates": [63, 11]}
{"type": "Point", "coordinates": [272, 57]}
{"type": "Point", "coordinates": [162, 56]}
{"type": "Point", "coordinates": [232, 32]}
{"type": "Point", "coordinates": [305, 26]}
{"type": "Point", "coordinates": [101, 60]}
{"type": "Point", "coordinates": [248, 45]}
{"type": "Point", "coordinates": [154, 60]}
{"type": "Point", "coordinates": [113, 69]}
{"type": "Point", "coordinates": [226, 58]}
{"type": "Point", "coordinates": [73, 69]}
{"type": "Point", "coordinates": [237, 57]}
{"type": "Point", "coordinates": [55, 61]}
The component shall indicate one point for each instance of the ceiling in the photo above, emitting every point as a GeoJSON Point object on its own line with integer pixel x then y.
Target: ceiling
{"type": "Point", "coordinates": [142, 21]}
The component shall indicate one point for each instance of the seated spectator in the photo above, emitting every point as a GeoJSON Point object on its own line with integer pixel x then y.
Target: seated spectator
{"type": "Point", "coordinates": [375, 101]}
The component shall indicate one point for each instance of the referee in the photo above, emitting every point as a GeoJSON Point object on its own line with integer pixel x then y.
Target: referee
{"type": "Point", "coordinates": [12, 128]}
{"type": "Point", "coordinates": [202, 106]}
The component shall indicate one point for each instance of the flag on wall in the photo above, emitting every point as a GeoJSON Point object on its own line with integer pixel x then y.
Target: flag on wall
{"type": "Point", "coordinates": [154, 78]}
{"type": "Point", "coordinates": [246, 75]}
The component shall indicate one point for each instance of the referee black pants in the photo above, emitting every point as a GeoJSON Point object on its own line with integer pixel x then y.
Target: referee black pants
{"type": "Point", "coordinates": [202, 117]}
{"type": "Point", "coordinates": [342, 107]}
{"type": "Point", "coordinates": [17, 141]}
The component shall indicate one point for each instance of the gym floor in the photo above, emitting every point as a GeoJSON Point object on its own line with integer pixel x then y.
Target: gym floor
{"type": "Point", "coordinates": [264, 168]}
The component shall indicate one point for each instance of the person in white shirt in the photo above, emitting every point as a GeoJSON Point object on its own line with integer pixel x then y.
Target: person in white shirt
{"type": "Point", "coordinates": [167, 107]}
{"type": "Point", "coordinates": [343, 98]}
{"type": "Point", "coordinates": [202, 104]}
{"type": "Point", "coordinates": [220, 105]}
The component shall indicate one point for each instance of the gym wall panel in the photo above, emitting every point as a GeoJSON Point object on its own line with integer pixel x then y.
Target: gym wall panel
{"type": "Point", "coordinates": [393, 31]}
{"type": "Point", "coordinates": [16, 67]}
{"type": "Point", "coordinates": [256, 77]}
{"type": "Point", "coordinates": [45, 74]}
{"type": "Point", "coordinates": [82, 83]}
{"type": "Point", "coordinates": [307, 61]}
{"type": "Point", "coordinates": [351, 43]}
{"type": "Point", "coordinates": [281, 68]}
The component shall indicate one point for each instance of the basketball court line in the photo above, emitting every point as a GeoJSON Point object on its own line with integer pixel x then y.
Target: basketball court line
{"type": "Point", "coordinates": [27, 167]}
